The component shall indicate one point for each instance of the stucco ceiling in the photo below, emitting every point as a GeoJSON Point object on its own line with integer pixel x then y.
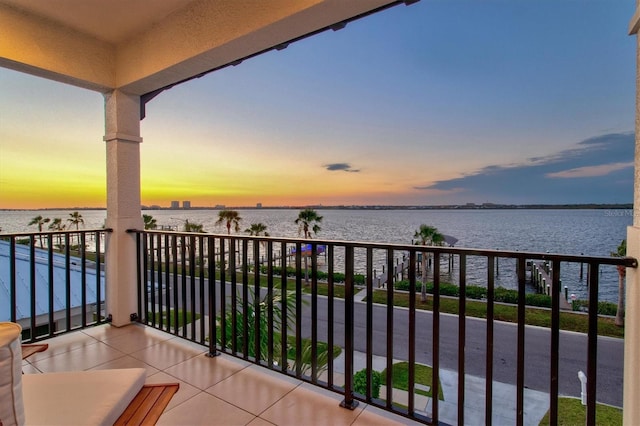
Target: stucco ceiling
{"type": "Point", "coordinates": [112, 21]}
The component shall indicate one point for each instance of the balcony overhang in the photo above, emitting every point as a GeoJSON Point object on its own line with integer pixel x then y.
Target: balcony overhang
{"type": "Point", "coordinates": [146, 46]}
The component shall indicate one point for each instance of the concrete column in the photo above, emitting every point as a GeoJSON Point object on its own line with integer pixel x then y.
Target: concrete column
{"type": "Point", "coordinates": [631, 408]}
{"type": "Point", "coordinates": [122, 136]}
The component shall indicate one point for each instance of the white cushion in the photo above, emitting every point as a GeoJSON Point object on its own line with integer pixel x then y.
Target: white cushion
{"type": "Point", "coordinates": [11, 406]}
{"type": "Point", "coordinates": [96, 397]}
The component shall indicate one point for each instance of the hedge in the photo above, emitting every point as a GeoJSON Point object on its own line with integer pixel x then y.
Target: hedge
{"type": "Point", "coordinates": [338, 277]}
{"type": "Point", "coordinates": [476, 292]}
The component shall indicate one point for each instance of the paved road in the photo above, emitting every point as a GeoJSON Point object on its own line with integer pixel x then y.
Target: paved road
{"type": "Point", "coordinates": [572, 357]}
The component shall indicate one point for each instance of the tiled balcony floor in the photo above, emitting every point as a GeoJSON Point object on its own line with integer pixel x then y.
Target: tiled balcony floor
{"type": "Point", "coordinates": [213, 391]}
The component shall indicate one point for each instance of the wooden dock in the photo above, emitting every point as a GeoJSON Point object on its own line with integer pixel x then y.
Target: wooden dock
{"type": "Point", "coordinates": [541, 279]}
{"type": "Point", "coordinates": [399, 269]}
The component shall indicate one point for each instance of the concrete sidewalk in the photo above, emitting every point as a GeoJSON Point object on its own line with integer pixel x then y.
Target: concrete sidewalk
{"type": "Point", "coordinates": [536, 404]}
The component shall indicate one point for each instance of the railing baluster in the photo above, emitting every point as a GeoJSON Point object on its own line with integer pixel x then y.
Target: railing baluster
{"type": "Point", "coordinates": [167, 280]}
{"type": "Point", "coordinates": [158, 255]}
{"type": "Point", "coordinates": [211, 259]}
{"type": "Point", "coordinates": [330, 316]}
{"type": "Point", "coordinates": [234, 295]}
{"type": "Point", "coordinates": [435, 361]}
{"type": "Point", "coordinates": [412, 334]}
{"type": "Point", "coordinates": [246, 344]}
{"type": "Point", "coordinates": [256, 302]}
{"type": "Point", "coordinates": [192, 284]}
{"type": "Point", "coordinates": [202, 297]}
{"type": "Point", "coordinates": [298, 296]}
{"type": "Point", "coordinates": [12, 279]}
{"type": "Point", "coordinates": [369, 330]}
{"type": "Point", "coordinates": [51, 293]}
{"type": "Point", "coordinates": [183, 275]}
{"type": "Point", "coordinates": [139, 268]}
{"type": "Point", "coordinates": [223, 297]}
{"type": "Point", "coordinates": [488, 413]}
{"type": "Point", "coordinates": [151, 268]}
{"type": "Point", "coordinates": [284, 309]}
{"type": "Point", "coordinates": [462, 322]}
{"type": "Point", "coordinates": [99, 278]}
{"type": "Point", "coordinates": [348, 401]}
{"type": "Point", "coordinates": [176, 284]}
{"type": "Point", "coordinates": [67, 286]}
{"type": "Point", "coordinates": [521, 269]}
{"type": "Point", "coordinates": [390, 310]}
{"type": "Point", "coordinates": [555, 342]}
{"type": "Point", "coordinates": [32, 290]}
{"type": "Point", "coordinates": [314, 313]}
{"type": "Point", "coordinates": [270, 345]}
{"type": "Point", "coordinates": [592, 346]}
{"type": "Point", "coordinates": [83, 279]}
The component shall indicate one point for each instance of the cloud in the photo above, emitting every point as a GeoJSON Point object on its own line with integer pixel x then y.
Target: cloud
{"type": "Point", "coordinates": [597, 170]}
{"type": "Point", "coordinates": [344, 167]}
{"type": "Point", "coordinates": [590, 171]}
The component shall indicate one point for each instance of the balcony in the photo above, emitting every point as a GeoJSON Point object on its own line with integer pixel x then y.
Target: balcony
{"type": "Point", "coordinates": [253, 343]}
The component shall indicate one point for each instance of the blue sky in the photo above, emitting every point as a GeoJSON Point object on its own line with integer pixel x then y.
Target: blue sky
{"type": "Point", "coordinates": [440, 102]}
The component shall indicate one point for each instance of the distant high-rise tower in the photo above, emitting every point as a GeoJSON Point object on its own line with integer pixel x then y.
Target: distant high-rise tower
{"type": "Point", "coordinates": [175, 204]}
{"type": "Point", "coordinates": [186, 204]}
{"type": "Point", "coordinates": [259, 206]}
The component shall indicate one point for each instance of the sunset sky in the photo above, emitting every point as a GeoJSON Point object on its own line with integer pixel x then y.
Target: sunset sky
{"type": "Point", "coordinates": [441, 102]}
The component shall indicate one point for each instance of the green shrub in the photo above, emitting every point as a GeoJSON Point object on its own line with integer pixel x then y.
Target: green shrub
{"type": "Point", "coordinates": [446, 289]}
{"type": "Point", "coordinates": [541, 300]}
{"type": "Point", "coordinates": [338, 277]}
{"type": "Point", "coordinates": [360, 382]}
{"type": "Point", "coordinates": [476, 292]}
{"type": "Point", "coordinates": [607, 308]}
{"type": "Point", "coordinates": [604, 308]}
{"type": "Point", "coordinates": [505, 295]}
{"type": "Point", "coordinates": [402, 285]}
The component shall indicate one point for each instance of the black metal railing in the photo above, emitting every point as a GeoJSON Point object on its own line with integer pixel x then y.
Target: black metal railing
{"type": "Point", "coordinates": [52, 282]}
{"type": "Point", "coordinates": [291, 305]}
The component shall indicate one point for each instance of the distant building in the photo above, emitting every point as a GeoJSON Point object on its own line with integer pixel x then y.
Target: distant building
{"type": "Point", "coordinates": [186, 204]}
{"type": "Point", "coordinates": [220, 206]}
{"type": "Point", "coordinates": [259, 206]}
{"type": "Point", "coordinates": [175, 204]}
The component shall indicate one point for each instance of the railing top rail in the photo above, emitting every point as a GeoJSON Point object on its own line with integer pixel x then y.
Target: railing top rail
{"type": "Point", "coordinates": [629, 262]}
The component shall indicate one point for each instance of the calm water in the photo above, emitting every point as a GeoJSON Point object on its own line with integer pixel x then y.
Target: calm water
{"type": "Point", "coordinates": [592, 232]}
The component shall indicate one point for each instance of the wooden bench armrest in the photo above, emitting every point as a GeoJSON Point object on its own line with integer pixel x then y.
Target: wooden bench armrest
{"type": "Point", "coordinates": [148, 405]}
{"type": "Point", "coordinates": [30, 349]}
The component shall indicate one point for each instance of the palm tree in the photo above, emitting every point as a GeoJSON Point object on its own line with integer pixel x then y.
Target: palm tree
{"type": "Point", "coordinates": [229, 217]}
{"type": "Point", "coordinates": [56, 225]}
{"type": "Point", "coordinates": [39, 221]}
{"type": "Point", "coordinates": [257, 229]}
{"type": "Point", "coordinates": [149, 221]}
{"type": "Point", "coordinates": [308, 218]}
{"type": "Point", "coordinates": [621, 251]}
{"type": "Point", "coordinates": [76, 219]}
{"type": "Point", "coordinates": [427, 236]}
{"type": "Point", "coordinates": [192, 227]}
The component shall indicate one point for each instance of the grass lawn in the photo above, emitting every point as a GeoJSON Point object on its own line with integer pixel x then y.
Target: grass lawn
{"type": "Point", "coordinates": [572, 412]}
{"type": "Point", "coordinates": [180, 319]}
{"type": "Point", "coordinates": [423, 376]}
